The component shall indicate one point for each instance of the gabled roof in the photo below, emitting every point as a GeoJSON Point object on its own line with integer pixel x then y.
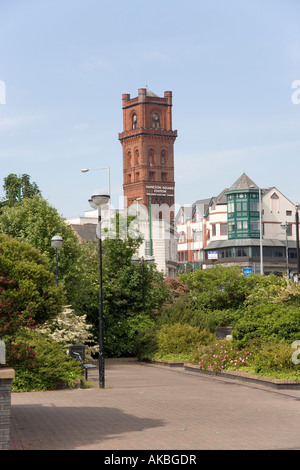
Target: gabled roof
{"type": "Point", "coordinates": [244, 182]}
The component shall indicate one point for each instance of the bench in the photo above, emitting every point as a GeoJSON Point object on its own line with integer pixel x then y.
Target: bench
{"type": "Point", "coordinates": [77, 351]}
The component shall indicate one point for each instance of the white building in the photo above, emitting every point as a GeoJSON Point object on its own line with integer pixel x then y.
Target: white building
{"type": "Point", "coordinates": [162, 250]}
{"type": "Point", "coordinates": [261, 229]}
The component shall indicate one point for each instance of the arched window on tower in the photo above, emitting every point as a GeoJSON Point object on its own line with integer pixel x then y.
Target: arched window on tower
{"type": "Point", "coordinates": [129, 158]}
{"type": "Point", "coordinates": [136, 157]}
{"type": "Point", "coordinates": [155, 121]}
{"type": "Point", "coordinates": [133, 121]}
{"type": "Point", "coordinates": [151, 157]}
{"type": "Point", "coordinates": [163, 158]}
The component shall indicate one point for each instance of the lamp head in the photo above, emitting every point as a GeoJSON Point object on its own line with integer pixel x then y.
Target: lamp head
{"type": "Point", "coordinates": [100, 197]}
{"type": "Point", "coordinates": [56, 241]}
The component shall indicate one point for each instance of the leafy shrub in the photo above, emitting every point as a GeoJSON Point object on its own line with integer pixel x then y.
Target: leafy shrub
{"type": "Point", "coordinates": [181, 339]}
{"type": "Point", "coordinates": [221, 356]}
{"type": "Point", "coordinates": [275, 357]}
{"type": "Point", "coordinates": [270, 322]}
{"type": "Point", "coordinates": [68, 328]}
{"type": "Point", "coordinates": [50, 366]}
{"type": "Point", "coordinates": [145, 344]}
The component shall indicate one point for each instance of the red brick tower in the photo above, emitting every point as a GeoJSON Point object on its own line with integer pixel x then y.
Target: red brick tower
{"type": "Point", "coordinates": [148, 155]}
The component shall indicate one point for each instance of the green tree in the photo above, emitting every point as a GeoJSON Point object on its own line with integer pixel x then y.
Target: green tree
{"type": "Point", "coordinates": [31, 287]}
{"type": "Point", "coordinates": [35, 221]}
{"type": "Point", "coordinates": [17, 188]}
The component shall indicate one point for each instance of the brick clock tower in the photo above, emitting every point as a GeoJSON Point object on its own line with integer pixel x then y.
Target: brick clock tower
{"type": "Point", "coordinates": [148, 155]}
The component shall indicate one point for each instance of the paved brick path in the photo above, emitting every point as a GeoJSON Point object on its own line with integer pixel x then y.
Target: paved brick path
{"type": "Point", "coordinates": [147, 407]}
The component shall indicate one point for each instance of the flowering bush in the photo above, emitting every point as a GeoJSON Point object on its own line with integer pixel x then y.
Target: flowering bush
{"type": "Point", "coordinates": [221, 356]}
{"type": "Point", "coordinates": [69, 328]}
{"type": "Point", "coordinates": [19, 353]}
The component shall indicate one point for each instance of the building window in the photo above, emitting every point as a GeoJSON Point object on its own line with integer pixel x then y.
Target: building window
{"type": "Point", "coordinates": [242, 225]}
{"type": "Point", "coordinates": [254, 225]}
{"type": "Point", "coordinates": [164, 176]}
{"type": "Point", "coordinates": [254, 206]}
{"type": "Point", "coordinates": [151, 176]}
{"type": "Point", "coordinates": [137, 176]}
{"type": "Point", "coordinates": [182, 237]}
{"type": "Point", "coordinates": [129, 158]}
{"type": "Point", "coordinates": [137, 157]}
{"type": "Point", "coordinates": [241, 206]}
{"type": "Point", "coordinates": [155, 121]}
{"type": "Point", "coordinates": [223, 229]}
{"type": "Point", "coordinates": [242, 251]}
{"type": "Point", "coordinates": [163, 159]}
{"type": "Point", "coordinates": [133, 121]}
{"type": "Point", "coordinates": [230, 206]}
{"type": "Point", "coordinates": [288, 212]}
{"type": "Point", "coordinates": [213, 230]}
{"type": "Point", "coordinates": [151, 157]}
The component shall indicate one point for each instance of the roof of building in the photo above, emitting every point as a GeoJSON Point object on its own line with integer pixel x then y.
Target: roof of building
{"type": "Point", "coordinates": [243, 182]}
{"type": "Point", "coordinates": [150, 93]}
{"type": "Point", "coordinates": [85, 232]}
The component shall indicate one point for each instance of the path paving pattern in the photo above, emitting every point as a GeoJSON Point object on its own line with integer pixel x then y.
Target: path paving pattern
{"type": "Point", "coordinates": [150, 407]}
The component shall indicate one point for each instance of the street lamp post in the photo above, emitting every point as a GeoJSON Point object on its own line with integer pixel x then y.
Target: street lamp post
{"type": "Point", "coordinates": [261, 253]}
{"type": "Point", "coordinates": [284, 225]}
{"type": "Point", "coordinates": [98, 199]}
{"type": "Point", "coordinates": [56, 243]}
{"type": "Point", "coordinates": [260, 233]}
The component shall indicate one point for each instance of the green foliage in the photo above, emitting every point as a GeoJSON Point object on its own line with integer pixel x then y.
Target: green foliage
{"type": "Point", "coordinates": [145, 344]}
{"type": "Point", "coordinates": [178, 338]}
{"type": "Point", "coordinates": [271, 322]}
{"type": "Point", "coordinates": [34, 221]}
{"type": "Point", "coordinates": [222, 355]}
{"type": "Point", "coordinates": [258, 357]}
{"type": "Point", "coordinates": [33, 286]}
{"type": "Point", "coordinates": [217, 288]}
{"type": "Point", "coordinates": [119, 337]}
{"type": "Point", "coordinates": [52, 367]}
{"type": "Point", "coordinates": [169, 341]}
{"type": "Point", "coordinates": [18, 187]}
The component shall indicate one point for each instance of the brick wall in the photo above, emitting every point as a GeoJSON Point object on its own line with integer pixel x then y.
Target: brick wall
{"type": "Point", "coordinates": [6, 375]}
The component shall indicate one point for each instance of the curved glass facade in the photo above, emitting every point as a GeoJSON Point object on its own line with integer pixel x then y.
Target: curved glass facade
{"type": "Point", "coordinates": [243, 214]}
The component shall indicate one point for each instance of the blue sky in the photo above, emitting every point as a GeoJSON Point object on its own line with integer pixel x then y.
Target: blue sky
{"type": "Point", "coordinates": [230, 65]}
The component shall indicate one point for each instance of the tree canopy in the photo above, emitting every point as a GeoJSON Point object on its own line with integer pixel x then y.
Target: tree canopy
{"type": "Point", "coordinates": [35, 221]}
{"type": "Point", "coordinates": [17, 188]}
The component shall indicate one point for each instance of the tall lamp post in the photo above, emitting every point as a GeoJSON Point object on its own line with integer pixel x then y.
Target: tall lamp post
{"type": "Point", "coordinates": [261, 253]}
{"type": "Point", "coordinates": [56, 243]}
{"type": "Point", "coordinates": [284, 225]}
{"type": "Point", "coordinates": [98, 199]}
